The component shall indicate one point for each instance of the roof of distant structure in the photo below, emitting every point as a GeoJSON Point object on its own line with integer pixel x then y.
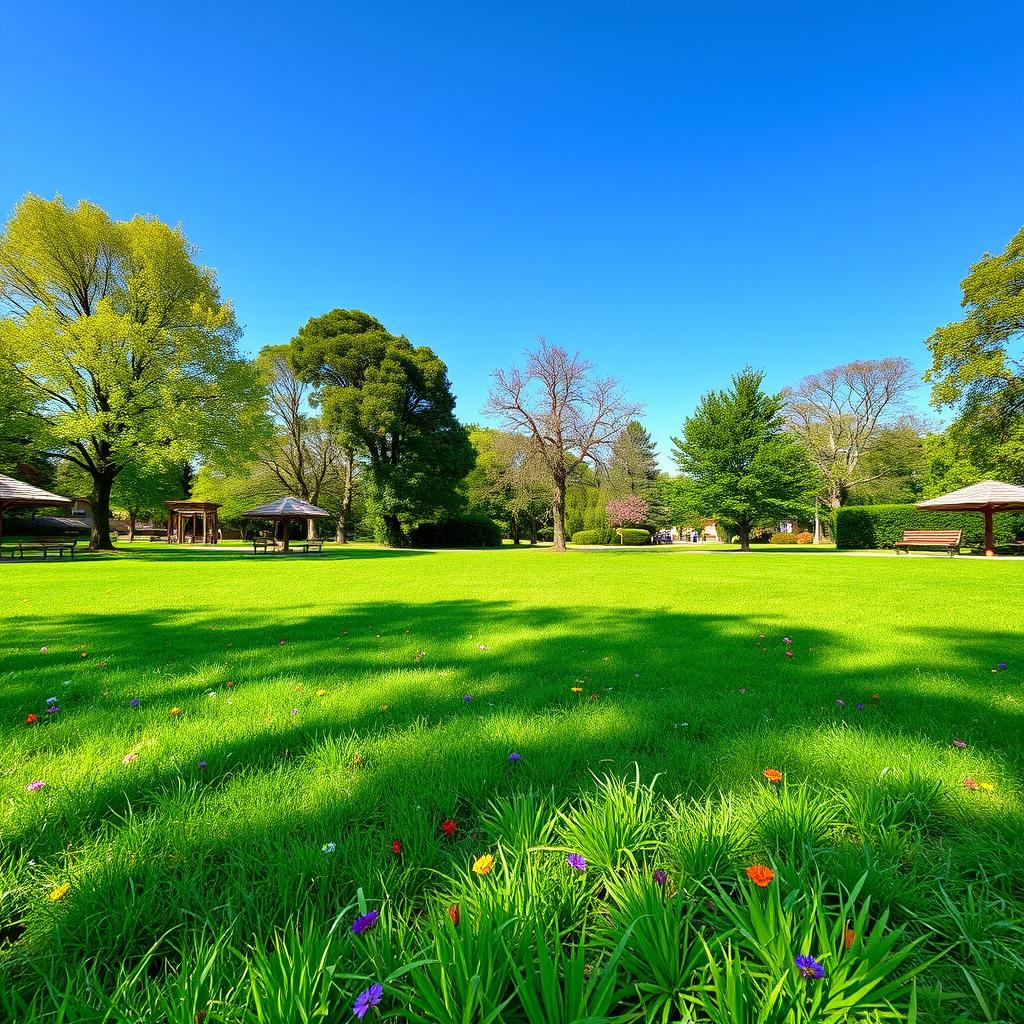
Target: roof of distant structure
{"type": "Point", "coordinates": [18, 494]}
{"type": "Point", "coordinates": [287, 508]}
{"type": "Point", "coordinates": [989, 494]}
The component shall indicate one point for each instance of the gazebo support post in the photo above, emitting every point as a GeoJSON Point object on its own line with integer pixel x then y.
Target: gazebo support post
{"type": "Point", "coordinates": [284, 534]}
{"type": "Point", "coordinates": [990, 540]}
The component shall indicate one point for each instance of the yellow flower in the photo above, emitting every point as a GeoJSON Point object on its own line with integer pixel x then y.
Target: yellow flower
{"type": "Point", "coordinates": [483, 865]}
{"type": "Point", "coordinates": [60, 892]}
{"type": "Point", "coordinates": [175, 711]}
{"type": "Point", "coordinates": [321, 693]}
{"type": "Point", "coordinates": [987, 786]}
{"type": "Point", "coordinates": [577, 689]}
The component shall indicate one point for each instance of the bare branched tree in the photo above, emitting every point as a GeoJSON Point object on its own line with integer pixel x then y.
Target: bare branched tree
{"type": "Point", "coordinates": [570, 415]}
{"type": "Point", "coordinates": [841, 413]}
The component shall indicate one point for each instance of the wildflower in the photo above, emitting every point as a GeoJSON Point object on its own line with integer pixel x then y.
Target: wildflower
{"type": "Point", "coordinates": [593, 696]}
{"type": "Point", "coordinates": [809, 967]}
{"type": "Point", "coordinates": [321, 693]}
{"type": "Point", "coordinates": [449, 828]}
{"type": "Point", "coordinates": [51, 700]}
{"type": "Point", "coordinates": [483, 865]}
{"type": "Point", "coordinates": [358, 761]}
{"type": "Point", "coordinates": [848, 936]}
{"type": "Point", "coordinates": [44, 650]}
{"type": "Point", "coordinates": [383, 709]}
{"type": "Point", "coordinates": [33, 787]}
{"type": "Point", "coordinates": [396, 847]}
{"type": "Point", "coordinates": [773, 775]}
{"type": "Point", "coordinates": [52, 709]}
{"type": "Point", "coordinates": [134, 702]}
{"type": "Point", "coordinates": [295, 711]}
{"type": "Point", "coordinates": [327, 849]}
{"type": "Point", "coordinates": [577, 861]}
{"type": "Point", "coordinates": [960, 744]}
{"type": "Point", "coordinates": [455, 914]}
{"type": "Point", "coordinates": [364, 922]}
{"type": "Point", "coordinates": [467, 697]}
{"type": "Point", "coordinates": [175, 712]}
{"type": "Point", "coordinates": [840, 703]}
{"type": "Point", "coordinates": [860, 707]}
{"type": "Point", "coordinates": [85, 654]}
{"type": "Point", "coordinates": [60, 892]}
{"type": "Point", "coordinates": [1001, 667]}
{"type": "Point", "coordinates": [786, 640]}
{"type": "Point", "coordinates": [202, 766]}
{"type": "Point", "coordinates": [986, 786]}
{"type": "Point", "coordinates": [515, 757]}
{"type": "Point", "coordinates": [743, 689]}
{"type": "Point", "coordinates": [577, 689]}
{"type": "Point", "coordinates": [970, 783]}
{"type": "Point", "coordinates": [281, 643]}
{"type": "Point", "coordinates": [760, 875]}
{"type": "Point", "coordinates": [876, 696]}
{"type": "Point", "coordinates": [230, 683]}
{"type": "Point", "coordinates": [789, 654]}
{"type": "Point", "coordinates": [367, 998]}
{"type": "Point", "coordinates": [31, 719]}
{"type": "Point", "coordinates": [660, 877]}
{"type": "Point", "coordinates": [132, 755]}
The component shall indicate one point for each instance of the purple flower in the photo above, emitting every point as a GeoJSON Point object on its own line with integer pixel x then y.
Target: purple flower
{"type": "Point", "coordinates": [860, 707]}
{"type": "Point", "coordinates": [33, 786]}
{"type": "Point", "coordinates": [202, 766]}
{"type": "Point", "coordinates": [52, 709]}
{"type": "Point", "coordinates": [660, 878]}
{"type": "Point", "coordinates": [577, 861]}
{"type": "Point", "coordinates": [468, 697]}
{"type": "Point", "coordinates": [809, 967]}
{"type": "Point", "coordinates": [365, 922]}
{"type": "Point", "coordinates": [134, 702]}
{"type": "Point", "coordinates": [1001, 666]}
{"type": "Point", "coordinates": [960, 744]}
{"type": "Point", "coordinates": [514, 756]}
{"type": "Point", "coordinates": [840, 703]}
{"type": "Point", "coordinates": [367, 998]}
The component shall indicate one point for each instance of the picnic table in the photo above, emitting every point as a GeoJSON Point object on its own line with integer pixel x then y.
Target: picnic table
{"type": "Point", "coordinates": [43, 546]}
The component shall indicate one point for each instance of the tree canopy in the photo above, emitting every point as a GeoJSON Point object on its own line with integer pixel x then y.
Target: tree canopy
{"type": "Point", "coordinates": [633, 464]}
{"type": "Point", "coordinates": [745, 468]}
{"type": "Point", "coordinates": [395, 403]}
{"type": "Point", "coordinates": [123, 344]}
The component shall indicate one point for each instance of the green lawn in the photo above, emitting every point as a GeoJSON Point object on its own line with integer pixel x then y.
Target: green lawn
{"type": "Point", "coordinates": [328, 700]}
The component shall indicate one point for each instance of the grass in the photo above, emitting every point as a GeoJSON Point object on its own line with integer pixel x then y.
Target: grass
{"type": "Point", "coordinates": [326, 698]}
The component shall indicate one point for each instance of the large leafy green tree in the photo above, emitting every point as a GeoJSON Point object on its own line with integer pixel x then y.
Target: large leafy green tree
{"type": "Point", "coordinates": [394, 402]}
{"type": "Point", "coordinates": [123, 343]}
{"type": "Point", "coordinates": [744, 468]}
{"type": "Point", "coordinates": [19, 428]}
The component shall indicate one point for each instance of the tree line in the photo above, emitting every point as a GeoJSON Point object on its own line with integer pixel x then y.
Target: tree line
{"type": "Point", "coordinates": [121, 379]}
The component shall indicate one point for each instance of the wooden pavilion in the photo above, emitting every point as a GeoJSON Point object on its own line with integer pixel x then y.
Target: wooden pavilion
{"type": "Point", "coordinates": [284, 511]}
{"type": "Point", "coordinates": [988, 497]}
{"type": "Point", "coordinates": [18, 494]}
{"type": "Point", "coordinates": [192, 522]}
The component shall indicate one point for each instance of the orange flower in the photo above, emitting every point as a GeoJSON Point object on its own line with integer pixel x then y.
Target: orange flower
{"type": "Point", "coordinates": [760, 875]}
{"type": "Point", "coordinates": [483, 865]}
{"type": "Point", "coordinates": [454, 914]}
{"type": "Point", "coordinates": [773, 775]}
{"type": "Point", "coordinates": [31, 719]}
{"type": "Point", "coordinates": [848, 937]}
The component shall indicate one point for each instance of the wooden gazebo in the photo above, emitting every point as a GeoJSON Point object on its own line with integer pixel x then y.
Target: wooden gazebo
{"type": "Point", "coordinates": [284, 510]}
{"type": "Point", "coordinates": [988, 497]}
{"type": "Point", "coordinates": [194, 522]}
{"type": "Point", "coordinates": [18, 494]}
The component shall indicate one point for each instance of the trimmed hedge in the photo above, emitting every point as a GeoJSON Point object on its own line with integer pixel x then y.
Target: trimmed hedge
{"type": "Point", "coordinates": [472, 531]}
{"type": "Point", "coordinates": [605, 536]}
{"type": "Point", "coordinates": [634, 537]}
{"type": "Point", "coordinates": [882, 526]}
{"type": "Point", "coordinates": [782, 538]}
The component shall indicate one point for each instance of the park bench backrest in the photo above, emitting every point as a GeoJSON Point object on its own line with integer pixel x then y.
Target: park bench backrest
{"type": "Point", "coordinates": [938, 538]}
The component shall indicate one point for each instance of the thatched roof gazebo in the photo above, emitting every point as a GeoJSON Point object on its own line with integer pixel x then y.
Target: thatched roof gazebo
{"type": "Point", "coordinates": [18, 494]}
{"type": "Point", "coordinates": [988, 497]}
{"type": "Point", "coordinates": [284, 510]}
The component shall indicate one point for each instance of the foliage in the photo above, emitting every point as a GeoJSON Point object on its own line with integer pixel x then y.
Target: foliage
{"type": "Point", "coordinates": [744, 468]}
{"type": "Point", "coordinates": [633, 463]}
{"type": "Point", "coordinates": [468, 531]}
{"type": "Point", "coordinates": [394, 402]}
{"type": "Point", "coordinates": [629, 511]}
{"type": "Point", "coordinates": [842, 417]}
{"type": "Point", "coordinates": [571, 416]}
{"type": "Point", "coordinates": [782, 538]}
{"type": "Point", "coordinates": [600, 536]}
{"type": "Point", "coordinates": [123, 343]}
{"type": "Point", "coordinates": [804, 537]}
{"type": "Point", "coordinates": [19, 428]}
{"type": "Point", "coordinates": [978, 362]}
{"type": "Point", "coordinates": [882, 526]}
{"type": "Point", "coordinates": [633, 537]}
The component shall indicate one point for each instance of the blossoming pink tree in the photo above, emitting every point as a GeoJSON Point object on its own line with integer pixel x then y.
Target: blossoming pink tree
{"type": "Point", "coordinates": [629, 511]}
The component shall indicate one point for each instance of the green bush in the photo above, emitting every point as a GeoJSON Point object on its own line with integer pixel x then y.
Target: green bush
{"type": "Point", "coordinates": [604, 536]}
{"type": "Point", "coordinates": [882, 526]}
{"type": "Point", "coordinates": [472, 531]}
{"type": "Point", "coordinates": [782, 538]}
{"type": "Point", "coordinates": [634, 537]}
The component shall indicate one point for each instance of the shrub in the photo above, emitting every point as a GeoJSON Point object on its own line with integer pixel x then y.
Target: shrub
{"type": "Point", "coordinates": [634, 537]}
{"type": "Point", "coordinates": [471, 531]}
{"type": "Point", "coordinates": [882, 526]}
{"type": "Point", "coordinates": [604, 536]}
{"type": "Point", "coordinates": [782, 538]}
{"type": "Point", "coordinates": [805, 538]}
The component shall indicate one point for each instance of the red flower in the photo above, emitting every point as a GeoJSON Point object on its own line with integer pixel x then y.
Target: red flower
{"type": "Point", "coordinates": [453, 913]}
{"type": "Point", "coordinates": [396, 847]}
{"type": "Point", "coordinates": [449, 828]}
{"type": "Point", "coordinates": [31, 719]}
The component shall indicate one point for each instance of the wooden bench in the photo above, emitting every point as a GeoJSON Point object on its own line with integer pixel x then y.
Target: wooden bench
{"type": "Point", "coordinates": [265, 544]}
{"type": "Point", "coordinates": [308, 545]}
{"type": "Point", "coordinates": [947, 539]}
{"type": "Point", "coordinates": [44, 545]}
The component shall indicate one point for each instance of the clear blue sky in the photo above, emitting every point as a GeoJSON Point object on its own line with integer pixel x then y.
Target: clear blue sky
{"type": "Point", "coordinates": [675, 189]}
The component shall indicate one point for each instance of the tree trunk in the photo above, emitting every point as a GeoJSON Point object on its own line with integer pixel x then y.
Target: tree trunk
{"type": "Point", "coordinates": [516, 530]}
{"type": "Point", "coordinates": [99, 538]}
{"type": "Point", "coordinates": [346, 502]}
{"type": "Point", "coordinates": [558, 513]}
{"type": "Point", "coordinates": [744, 532]}
{"type": "Point", "coordinates": [131, 526]}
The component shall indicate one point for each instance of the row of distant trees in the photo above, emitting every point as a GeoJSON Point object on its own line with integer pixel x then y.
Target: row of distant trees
{"type": "Point", "coordinates": [120, 375]}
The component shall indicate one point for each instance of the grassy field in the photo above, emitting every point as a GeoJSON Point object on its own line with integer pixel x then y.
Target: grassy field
{"type": "Point", "coordinates": [224, 720]}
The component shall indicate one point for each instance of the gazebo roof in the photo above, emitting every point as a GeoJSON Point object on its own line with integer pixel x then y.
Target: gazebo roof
{"type": "Point", "coordinates": [18, 494]}
{"type": "Point", "coordinates": [989, 494]}
{"type": "Point", "coordinates": [187, 504]}
{"type": "Point", "coordinates": [287, 508]}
